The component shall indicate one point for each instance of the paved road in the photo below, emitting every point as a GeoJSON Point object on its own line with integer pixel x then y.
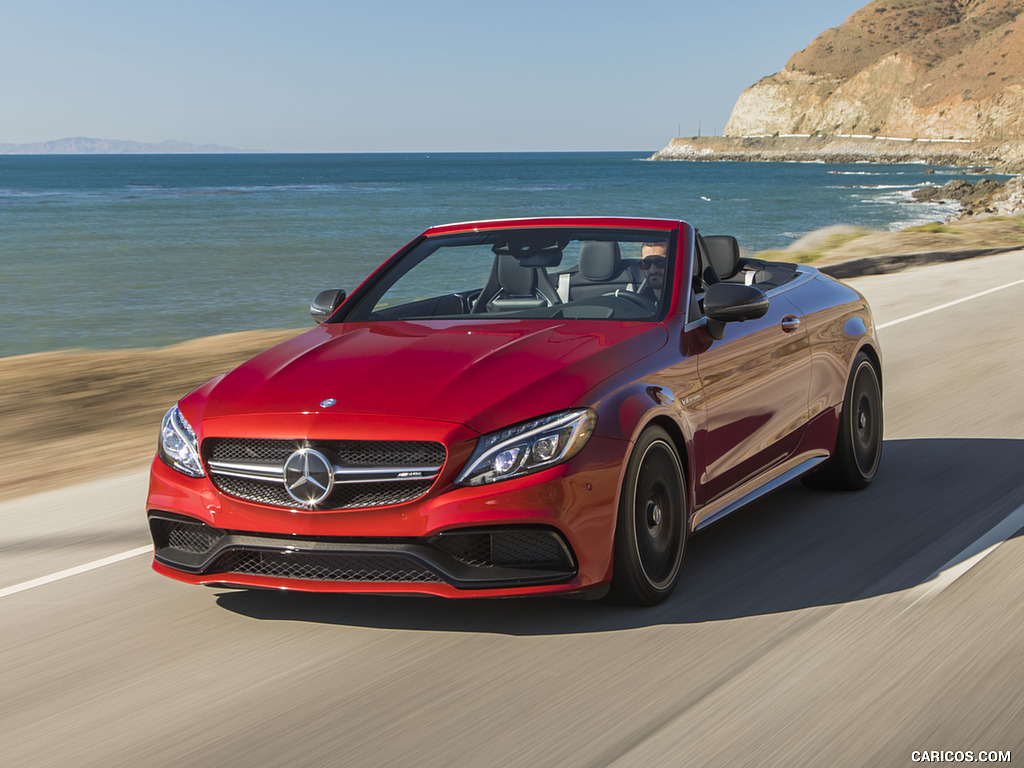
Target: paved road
{"type": "Point", "coordinates": [806, 632]}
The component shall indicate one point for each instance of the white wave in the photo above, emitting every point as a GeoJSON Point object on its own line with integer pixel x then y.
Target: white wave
{"type": "Point", "coordinates": [262, 188]}
{"type": "Point", "coordinates": [43, 193]}
{"type": "Point", "coordinates": [541, 188]}
{"type": "Point", "coordinates": [887, 186]}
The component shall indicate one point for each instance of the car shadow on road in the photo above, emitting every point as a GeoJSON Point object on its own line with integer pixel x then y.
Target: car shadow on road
{"type": "Point", "coordinates": [793, 550]}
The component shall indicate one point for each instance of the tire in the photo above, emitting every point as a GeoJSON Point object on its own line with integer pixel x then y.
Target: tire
{"type": "Point", "coordinates": [858, 449]}
{"type": "Point", "coordinates": [650, 536]}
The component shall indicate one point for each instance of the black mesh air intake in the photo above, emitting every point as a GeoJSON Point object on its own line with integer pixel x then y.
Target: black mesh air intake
{"type": "Point", "coordinates": [313, 566]}
{"type": "Point", "coordinates": [193, 537]}
{"type": "Point", "coordinates": [508, 548]}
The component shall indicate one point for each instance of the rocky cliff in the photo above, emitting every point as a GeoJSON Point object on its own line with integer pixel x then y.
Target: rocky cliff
{"type": "Point", "coordinates": [925, 69]}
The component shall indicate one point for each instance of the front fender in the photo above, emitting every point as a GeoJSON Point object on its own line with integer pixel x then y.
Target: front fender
{"type": "Point", "coordinates": [627, 412]}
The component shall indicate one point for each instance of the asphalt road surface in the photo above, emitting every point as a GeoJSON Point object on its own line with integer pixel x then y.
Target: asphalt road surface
{"type": "Point", "coordinates": [812, 629]}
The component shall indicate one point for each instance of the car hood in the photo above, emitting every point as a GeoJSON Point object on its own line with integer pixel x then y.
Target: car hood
{"type": "Point", "coordinates": [483, 374]}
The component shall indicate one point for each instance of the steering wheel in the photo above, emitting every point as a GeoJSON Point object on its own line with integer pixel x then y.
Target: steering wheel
{"type": "Point", "coordinates": [635, 298]}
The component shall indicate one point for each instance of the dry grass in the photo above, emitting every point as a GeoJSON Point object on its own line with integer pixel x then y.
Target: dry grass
{"type": "Point", "coordinates": [82, 413]}
{"type": "Point", "coordinates": [829, 247]}
{"type": "Point", "coordinates": [815, 245]}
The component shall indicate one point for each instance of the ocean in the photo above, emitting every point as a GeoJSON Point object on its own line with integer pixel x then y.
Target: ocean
{"type": "Point", "coordinates": [147, 250]}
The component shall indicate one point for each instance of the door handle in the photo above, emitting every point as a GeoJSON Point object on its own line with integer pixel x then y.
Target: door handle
{"type": "Point", "coordinates": [790, 323]}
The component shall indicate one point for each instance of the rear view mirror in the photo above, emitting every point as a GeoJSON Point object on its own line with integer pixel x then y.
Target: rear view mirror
{"type": "Point", "coordinates": [325, 303]}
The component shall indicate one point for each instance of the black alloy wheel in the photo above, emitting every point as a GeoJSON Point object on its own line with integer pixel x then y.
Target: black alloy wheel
{"type": "Point", "coordinates": [650, 537]}
{"type": "Point", "coordinates": [866, 422]}
{"type": "Point", "coordinates": [858, 449]}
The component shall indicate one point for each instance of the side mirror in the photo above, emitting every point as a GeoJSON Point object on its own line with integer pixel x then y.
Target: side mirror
{"type": "Point", "coordinates": [325, 303]}
{"type": "Point", "coordinates": [732, 302]}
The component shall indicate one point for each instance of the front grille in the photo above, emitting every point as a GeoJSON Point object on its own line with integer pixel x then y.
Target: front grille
{"type": "Point", "coordinates": [508, 548]}
{"type": "Point", "coordinates": [352, 496]}
{"type": "Point", "coordinates": [324, 567]}
{"type": "Point", "coordinates": [414, 467]}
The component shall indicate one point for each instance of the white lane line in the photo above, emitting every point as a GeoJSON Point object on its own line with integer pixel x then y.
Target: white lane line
{"type": "Point", "coordinates": [948, 304]}
{"type": "Point", "coordinates": [968, 558]}
{"type": "Point", "coordinates": [26, 585]}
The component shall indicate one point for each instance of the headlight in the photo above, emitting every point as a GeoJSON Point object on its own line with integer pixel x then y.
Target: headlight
{"type": "Point", "coordinates": [179, 448]}
{"type": "Point", "coordinates": [528, 447]}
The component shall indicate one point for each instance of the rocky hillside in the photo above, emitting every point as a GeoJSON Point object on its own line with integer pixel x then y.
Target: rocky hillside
{"type": "Point", "coordinates": [925, 69]}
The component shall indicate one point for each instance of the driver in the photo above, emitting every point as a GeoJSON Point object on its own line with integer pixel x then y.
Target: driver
{"type": "Point", "coordinates": [652, 260]}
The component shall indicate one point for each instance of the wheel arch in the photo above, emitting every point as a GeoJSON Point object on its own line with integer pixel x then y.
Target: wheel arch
{"type": "Point", "coordinates": [667, 416]}
{"type": "Point", "coordinates": [870, 349]}
{"type": "Point", "coordinates": [626, 412]}
{"type": "Point", "coordinates": [683, 448]}
{"type": "Point", "coordinates": [643, 410]}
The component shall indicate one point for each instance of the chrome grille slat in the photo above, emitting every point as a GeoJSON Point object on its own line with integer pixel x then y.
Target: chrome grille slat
{"type": "Point", "coordinates": [388, 475]}
{"type": "Point", "coordinates": [253, 471]}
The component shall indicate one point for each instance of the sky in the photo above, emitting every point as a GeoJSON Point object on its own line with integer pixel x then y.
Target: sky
{"type": "Point", "coordinates": [392, 75]}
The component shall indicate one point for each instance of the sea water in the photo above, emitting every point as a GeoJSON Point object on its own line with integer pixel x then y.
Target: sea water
{"type": "Point", "coordinates": [147, 250]}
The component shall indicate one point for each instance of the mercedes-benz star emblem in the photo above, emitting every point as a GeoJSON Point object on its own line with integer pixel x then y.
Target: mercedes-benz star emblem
{"type": "Point", "coordinates": [308, 476]}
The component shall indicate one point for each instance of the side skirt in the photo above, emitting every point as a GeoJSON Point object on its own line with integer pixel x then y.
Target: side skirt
{"type": "Point", "coordinates": [781, 475]}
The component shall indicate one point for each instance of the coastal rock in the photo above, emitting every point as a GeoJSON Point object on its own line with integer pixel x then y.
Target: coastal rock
{"type": "Point", "coordinates": [950, 191]}
{"type": "Point", "coordinates": [835, 149]}
{"type": "Point", "coordinates": [973, 198]}
{"type": "Point", "coordinates": [1010, 199]}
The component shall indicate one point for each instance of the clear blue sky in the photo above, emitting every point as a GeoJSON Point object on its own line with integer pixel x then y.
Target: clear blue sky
{"type": "Point", "coordinates": [392, 75]}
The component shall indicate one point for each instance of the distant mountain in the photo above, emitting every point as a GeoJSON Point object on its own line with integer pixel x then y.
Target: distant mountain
{"type": "Point", "coordinates": [926, 69]}
{"type": "Point", "coordinates": [81, 145]}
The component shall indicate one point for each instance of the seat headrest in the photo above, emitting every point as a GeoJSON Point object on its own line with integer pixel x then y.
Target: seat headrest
{"type": "Point", "coordinates": [516, 279]}
{"type": "Point", "coordinates": [724, 254]}
{"type": "Point", "coordinates": [599, 259]}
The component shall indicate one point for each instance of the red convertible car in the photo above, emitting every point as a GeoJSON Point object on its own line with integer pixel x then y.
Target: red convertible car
{"type": "Point", "coordinates": [522, 407]}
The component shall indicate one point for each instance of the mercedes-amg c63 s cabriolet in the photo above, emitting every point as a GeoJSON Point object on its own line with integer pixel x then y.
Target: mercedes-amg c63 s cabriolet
{"type": "Point", "coordinates": [521, 407]}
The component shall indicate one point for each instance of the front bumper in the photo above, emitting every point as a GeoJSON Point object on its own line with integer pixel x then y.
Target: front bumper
{"type": "Point", "coordinates": [511, 556]}
{"type": "Point", "coordinates": [551, 532]}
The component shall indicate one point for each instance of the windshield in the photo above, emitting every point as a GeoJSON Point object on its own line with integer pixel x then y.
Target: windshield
{"type": "Point", "coordinates": [598, 274]}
